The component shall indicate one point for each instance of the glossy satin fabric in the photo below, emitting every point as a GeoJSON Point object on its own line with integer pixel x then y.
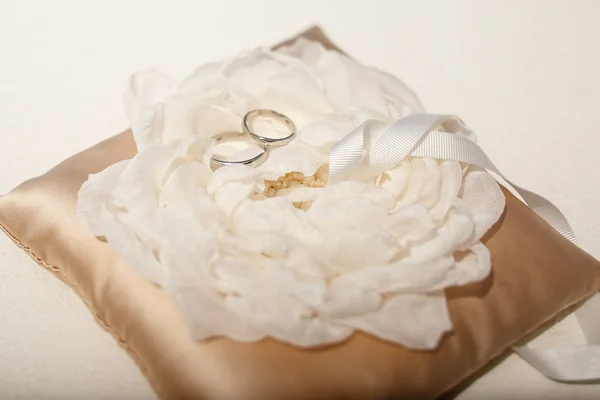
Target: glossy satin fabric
{"type": "Point", "coordinates": [536, 274]}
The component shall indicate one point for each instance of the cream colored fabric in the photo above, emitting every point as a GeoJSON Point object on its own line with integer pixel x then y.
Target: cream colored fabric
{"type": "Point", "coordinates": [529, 286]}
{"type": "Point", "coordinates": [49, 337]}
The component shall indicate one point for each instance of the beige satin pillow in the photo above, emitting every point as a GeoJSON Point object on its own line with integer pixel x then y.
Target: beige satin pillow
{"type": "Point", "coordinates": [537, 277]}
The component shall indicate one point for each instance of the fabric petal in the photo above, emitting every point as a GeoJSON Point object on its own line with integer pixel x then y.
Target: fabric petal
{"type": "Point", "coordinates": [230, 195]}
{"type": "Point", "coordinates": [183, 184]}
{"type": "Point", "coordinates": [411, 224]}
{"type": "Point", "coordinates": [280, 315]}
{"type": "Point", "coordinates": [232, 173]}
{"type": "Point", "coordinates": [416, 180]}
{"type": "Point", "coordinates": [273, 316]}
{"type": "Point", "coordinates": [396, 179]}
{"type": "Point", "coordinates": [417, 321]}
{"type": "Point", "coordinates": [430, 191]}
{"type": "Point", "coordinates": [206, 318]}
{"type": "Point", "coordinates": [345, 300]}
{"type": "Point", "coordinates": [134, 251]}
{"type": "Point", "coordinates": [400, 99]}
{"type": "Point", "coordinates": [483, 197]}
{"type": "Point", "coordinates": [145, 89]}
{"type": "Point", "coordinates": [295, 157]}
{"type": "Point", "coordinates": [95, 194]}
{"type": "Point", "coordinates": [309, 290]}
{"type": "Point", "coordinates": [194, 247]}
{"type": "Point", "coordinates": [186, 121]}
{"type": "Point", "coordinates": [322, 134]}
{"type": "Point", "coordinates": [457, 230]}
{"type": "Point", "coordinates": [400, 276]}
{"type": "Point", "coordinates": [471, 266]}
{"type": "Point", "coordinates": [308, 51]}
{"type": "Point", "coordinates": [139, 188]}
{"type": "Point", "coordinates": [451, 183]}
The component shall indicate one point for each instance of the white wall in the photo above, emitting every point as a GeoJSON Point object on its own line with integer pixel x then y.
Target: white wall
{"type": "Point", "coordinates": [523, 74]}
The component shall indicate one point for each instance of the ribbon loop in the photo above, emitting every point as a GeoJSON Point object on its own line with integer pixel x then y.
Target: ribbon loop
{"type": "Point", "coordinates": [374, 147]}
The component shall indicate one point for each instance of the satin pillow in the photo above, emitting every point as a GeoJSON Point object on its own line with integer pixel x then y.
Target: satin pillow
{"type": "Point", "coordinates": [532, 285]}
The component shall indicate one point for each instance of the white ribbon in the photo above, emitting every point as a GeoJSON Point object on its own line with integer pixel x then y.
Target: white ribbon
{"type": "Point", "coordinates": [374, 147]}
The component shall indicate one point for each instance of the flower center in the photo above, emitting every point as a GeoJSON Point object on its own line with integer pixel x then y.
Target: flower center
{"type": "Point", "coordinates": [284, 184]}
{"type": "Point", "coordinates": [291, 180]}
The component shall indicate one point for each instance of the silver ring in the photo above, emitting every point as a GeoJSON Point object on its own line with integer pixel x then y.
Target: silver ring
{"type": "Point", "coordinates": [255, 161]}
{"type": "Point", "coordinates": [272, 142]}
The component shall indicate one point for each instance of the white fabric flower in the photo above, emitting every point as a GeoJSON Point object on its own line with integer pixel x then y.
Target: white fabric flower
{"type": "Point", "coordinates": [273, 251]}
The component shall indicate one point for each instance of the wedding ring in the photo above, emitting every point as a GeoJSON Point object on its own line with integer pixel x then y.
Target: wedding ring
{"type": "Point", "coordinates": [255, 161]}
{"type": "Point", "coordinates": [268, 141]}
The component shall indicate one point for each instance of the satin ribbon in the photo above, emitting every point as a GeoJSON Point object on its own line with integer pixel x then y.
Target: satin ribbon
{"type": "Point", "coordinates": [375, 146]}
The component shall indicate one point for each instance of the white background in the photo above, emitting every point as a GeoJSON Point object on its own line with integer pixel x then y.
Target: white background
{"type": "Point", "coordinates": [523, 74]}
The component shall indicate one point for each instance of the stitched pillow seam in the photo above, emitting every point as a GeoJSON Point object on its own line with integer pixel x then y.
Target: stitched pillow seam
{"type": "Point", "coordinates": [57, 271]}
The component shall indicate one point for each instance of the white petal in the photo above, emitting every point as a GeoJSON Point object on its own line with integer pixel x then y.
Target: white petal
{"type": "Point", "coordinates": [326, 132]}
{"type": "Point", "coordinates": [396, 179]}
{"type": "Point", "coordinates": [269, 215]}
{"type": "Point", "coordinates": [457, 230]}
{"type": "Point", "coordinates": [339, 213]}
{"type": "Point", "coordinates": [146, 88]}
{"type": "Point", "coordinates": [274, 318]}
{"type": "Point", "coordinates": [148, 129]}
{"type": "Point", "coordinates": [242, 277]}
{"type": "Point", "coordinates": [255, 69]}
{"type": "Point", "coordinates": [346, 300]}
{"type": "Point", "coordinates": [430, 191]}
{"type": "Point", "coordinates": [230, 195]}
{"type": "Point", "coordinates": [206, 318]}
{"type": "Point", "coordinates": [296, 94]}
{"type": "Point", "coordinates": [411, 223]}
{"type": "Point", "coordinates": [308, 290]}
{"type": "Point", "coordinates": [416, 180]}
{"type": "Point", "coordinates": [416, 321]}
{"type": "Point", "coordinates": [95, 193]}
{"type": "Point", "coordinates": [202, 78]}
{"type": "Point", "coordinates": [270, 244]}
{"type": "Point", "coordinates": [191, 245]}
{"type": "Point", "coordinates": [301, 260]}
{"type": "Point", "coordinates": [186, 121]}
{"type": "Point", "coordinates": [484, 198]}
{"type": "Point", "coordinates": [399, 276]}
{"type": "Point", "coordinates": [347, 250]}
{"type": "Point", "coordinates": [423, 183]}
{"type": "Point", "coordinates": [295, 157]}
{"type": "Point", "coordinates": [451, 183]}
{"type": "Point", "coordinates": [350, 86]}
{"type": "Point", "coordinates": [281, 318]}
{"type": "Point", "coordinates": [299, 194]}
{"type": "Point", "coordinates": [182, 186]}
{"type": "Point", "coordinates": [233, 173]}
{"type": "Point", "coordinates": [378, 196]}
{"type": "Point", "coordinates": [206, 213]}
{"type": "Point", "coordinates": [401, 100]}
{"type": "Point", "coordinates": [366, 93]}
{"type": "Point", "coordinates": [200, 149]}
{"type": "Point", "coordinates": [280, 82]}
{"type": "Point", "coordinates": [139, 187]}
{"type": "Point", "coordinates": [231, 185]}
{"type": "Point", "coordinates": [135, 252]}
{"type": "Point", "coordinates": [471, 266]}
{"type": "Point", "coordinates": [309, 51]}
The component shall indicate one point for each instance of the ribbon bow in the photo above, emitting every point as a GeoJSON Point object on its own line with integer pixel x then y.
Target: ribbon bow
{"type": "Point", "coordinates": [374, 147]}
